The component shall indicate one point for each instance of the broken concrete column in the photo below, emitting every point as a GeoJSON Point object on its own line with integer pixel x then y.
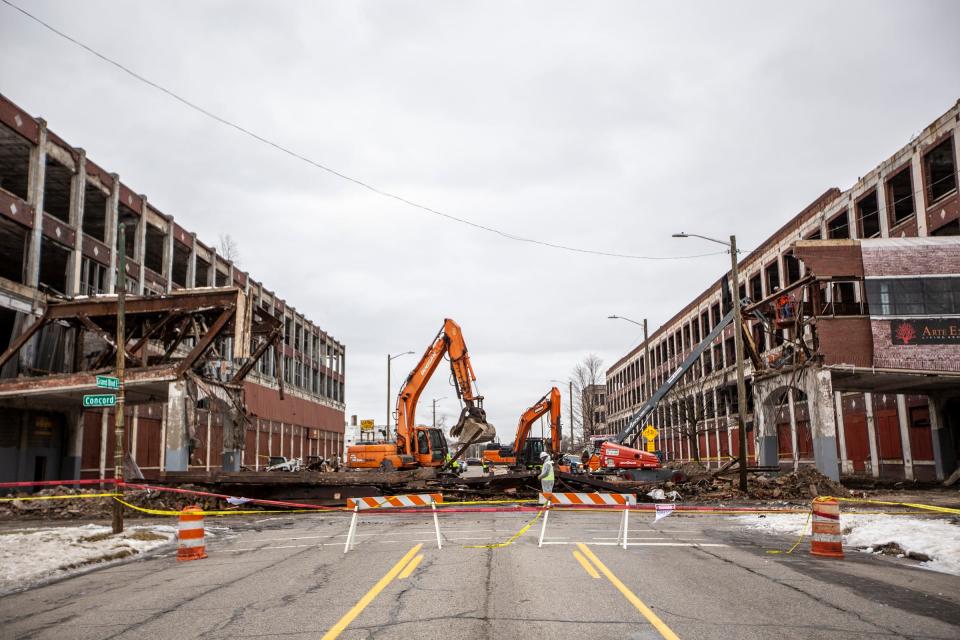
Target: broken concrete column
{"type": "Point", "coordinates": [765, 422]}
{"type": "Point", "coordinates": [177, 439]}
{"type": "Point", "coordinates": [818, 385]}
{"type": "Point", "coordinates": [944, 458]}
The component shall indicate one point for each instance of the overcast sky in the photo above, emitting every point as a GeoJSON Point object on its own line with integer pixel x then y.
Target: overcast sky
{"type": "Point", "coordinates": [602, 125]}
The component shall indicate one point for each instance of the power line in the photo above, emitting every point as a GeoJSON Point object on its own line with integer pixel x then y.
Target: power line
{"type": "Point", "coordinates": [334, 172]}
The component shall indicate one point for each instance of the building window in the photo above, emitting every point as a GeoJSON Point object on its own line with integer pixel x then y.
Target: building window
{"type": "Point", "coordinates": [868, 215]}
{"type": "Point", "coordinates": [838, 227]}
{"type": "Point", "coordinates": [900, 197]}
{"type": "Point", "coordinates": [93, 277]}
{"type": "Point", "coordinates": [773, 277]}
{"type": "Point", "coordinates": [914, 296]}
{"type": "Point", "coordinates": [939, 171]}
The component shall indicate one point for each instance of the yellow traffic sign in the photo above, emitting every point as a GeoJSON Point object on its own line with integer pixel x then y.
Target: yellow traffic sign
{"type": "Point", "coordinates": [650, 433]}
{"type": "Point", "coordinates": [366, 425]}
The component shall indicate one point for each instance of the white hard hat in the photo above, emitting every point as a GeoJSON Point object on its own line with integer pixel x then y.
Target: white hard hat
{"type": "Point", "coordinates": [544, 454]}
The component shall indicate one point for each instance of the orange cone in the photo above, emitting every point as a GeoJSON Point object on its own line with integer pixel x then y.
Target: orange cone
{"type": "Point", "coordinates": [190, 536]}
{"type": "Point", "coordinates": [826, 540]}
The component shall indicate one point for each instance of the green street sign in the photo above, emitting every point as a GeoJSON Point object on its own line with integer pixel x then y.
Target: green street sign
{"type": "Point", "coordinates": [108, 382]}
{"type": "Point", "coordinates": [100, 400]}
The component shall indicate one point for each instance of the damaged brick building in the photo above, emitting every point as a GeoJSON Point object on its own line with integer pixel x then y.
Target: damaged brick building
{"type": "Point", "coordinates": [864, 376]}
{"type": "Point", "coordinates": [59, 219]}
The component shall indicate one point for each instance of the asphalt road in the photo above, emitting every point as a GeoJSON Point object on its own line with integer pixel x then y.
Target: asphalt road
{"type": "Point", "coordinates": [690, 576]}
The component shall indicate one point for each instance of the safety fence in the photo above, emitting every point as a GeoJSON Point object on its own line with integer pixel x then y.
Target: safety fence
{"type": "Point", "coordinates": [826, 539]}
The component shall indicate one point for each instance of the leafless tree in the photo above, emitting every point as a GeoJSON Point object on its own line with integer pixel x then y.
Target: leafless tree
{"type": "Point", "coordinates": [229, 249]}
{"type": "Point", "coordinates": [693, 407]}
{"type": "Point", "coordinates": [585, 375]}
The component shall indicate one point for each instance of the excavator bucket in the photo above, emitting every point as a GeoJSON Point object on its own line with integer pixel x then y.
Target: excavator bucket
{"type": "Point", "coordinates": [473, 427]}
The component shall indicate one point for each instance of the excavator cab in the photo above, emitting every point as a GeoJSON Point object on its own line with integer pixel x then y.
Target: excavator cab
{"type": "Point", "coordinates": [431, 447]}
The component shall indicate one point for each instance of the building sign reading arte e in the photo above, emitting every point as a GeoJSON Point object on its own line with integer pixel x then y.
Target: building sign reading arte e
{"type": "Point", "coordinates": [925, 331]}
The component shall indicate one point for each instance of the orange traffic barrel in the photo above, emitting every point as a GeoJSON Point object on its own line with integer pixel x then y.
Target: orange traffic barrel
{"type": "Point", "coordinates": [826, 540]}
{"type": "Point", "coordinates": [191, 544]}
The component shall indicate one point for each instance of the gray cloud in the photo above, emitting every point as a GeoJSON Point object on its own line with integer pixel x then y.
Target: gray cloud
{"type": "Point", "coordinates": [605, 125]}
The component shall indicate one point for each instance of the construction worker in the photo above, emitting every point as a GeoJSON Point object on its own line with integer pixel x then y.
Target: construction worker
{"type": "Point", "coordinates": [546, 472]}
{"type": "Point", "coordinates": [455, 467]}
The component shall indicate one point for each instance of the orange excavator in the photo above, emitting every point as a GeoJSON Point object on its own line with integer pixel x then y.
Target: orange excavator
{"type": "Point", "coordinates": [525, 451]}
{"type": "Point", "coordinates": [419, 446]}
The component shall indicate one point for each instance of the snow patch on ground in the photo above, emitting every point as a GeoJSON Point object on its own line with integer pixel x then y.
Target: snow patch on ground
{"type": "Point", "coordinates": [32, 556]}
{"type": "Point", "coordinates": [936, 538]}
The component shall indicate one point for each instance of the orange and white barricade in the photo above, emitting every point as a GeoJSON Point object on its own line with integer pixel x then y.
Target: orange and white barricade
{"type": "Point", "coordinates": [826, 539]}
{"type": "Point", "coordinates": [392, 502]}
{"type": "Point", "coordinates": [622, 500]}
{"type": "Point", "coordinates": [190, 537]}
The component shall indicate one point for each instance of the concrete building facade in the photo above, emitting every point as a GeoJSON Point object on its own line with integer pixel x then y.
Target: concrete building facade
{"type": "Point", "coordinates": [838, 412]}
{"type": "Point", "coordinates": [59, 218]}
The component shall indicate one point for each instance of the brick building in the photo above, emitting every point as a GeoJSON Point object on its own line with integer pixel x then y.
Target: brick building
{"type": "Point", "coordinates": [873, 258]}
{"type": "Point", "coordinates": [594, 410]}
{"type": "Point", "coordinates": [59, 217]}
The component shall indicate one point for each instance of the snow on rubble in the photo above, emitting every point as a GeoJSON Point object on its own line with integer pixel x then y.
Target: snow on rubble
{"type": "Point", "coordinates": [32, 556]}
{"type": "Point", "coordinates": [935, 542]}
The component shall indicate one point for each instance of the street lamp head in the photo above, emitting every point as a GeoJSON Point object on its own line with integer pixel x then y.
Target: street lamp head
{"type": "Point", "coordinates": [680, 235]}
{"type": "Point", "coordinates": [613, 317]}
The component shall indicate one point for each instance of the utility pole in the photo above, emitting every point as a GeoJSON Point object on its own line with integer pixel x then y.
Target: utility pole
{"type": "Point", "coordinates": [121, 356]}
{"type": "Point", "coordinates": [738, 343]}
{"type": "Point", "coordinates": [570, 382]}
{"type": "Point", "coordinates": [388, 397]}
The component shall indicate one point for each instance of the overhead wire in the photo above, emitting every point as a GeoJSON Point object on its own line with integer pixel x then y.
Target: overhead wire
{"type": "Point", "coordinates": [343, 176]}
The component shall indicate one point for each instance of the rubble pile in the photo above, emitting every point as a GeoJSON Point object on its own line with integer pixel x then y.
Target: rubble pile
{"type": "Point", "coordinates": [693, 481]}
{"type": "Point", "coordinates": [91, 508]}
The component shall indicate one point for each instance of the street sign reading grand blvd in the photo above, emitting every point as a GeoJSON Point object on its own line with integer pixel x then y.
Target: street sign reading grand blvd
{"type": "Point", "coordinates": [108, 382]}
{"type": "Point", "coordinates": [100, 400]}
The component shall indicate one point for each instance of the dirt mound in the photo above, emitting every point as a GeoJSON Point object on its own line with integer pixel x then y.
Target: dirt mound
{"type": "Point", "coordinates": [93, 508]}
{"type": "Point", "coordinates": [806, 482]}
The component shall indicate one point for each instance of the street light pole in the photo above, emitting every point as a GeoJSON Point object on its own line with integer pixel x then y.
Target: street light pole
{"type": "Point", "coordinates": [390, 359]}
{"type": "Point", "coordinates": [738, 344]}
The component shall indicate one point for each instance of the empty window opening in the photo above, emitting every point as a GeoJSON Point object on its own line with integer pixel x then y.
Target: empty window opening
{"type": "Point", "coordinates": [130, 218]}
{"type": "Point", "coordinates": [868, 214]}
{"type": "Point", "coordinates": [792, 267]}
{"type": "Point", "coordinates": [93, 277]}
{"type": "Point", "coordinates": [939, 171]}
{"type": "Point", "coordinates": [838, 227]}
{"type": "Point", "coordinates": [53, 266]}
{"type": "Point", "coordinates": [900, 197]}
{"type": "Point", "coordinates": [181, 263]}
{"type": "Point", "coordinates": [715, 315]}
{"type": "Point", "coordinates": [95, 212]}
{"type": "Point", "coordinates": [13, 248]}
{"type": "Point", "coordinates": [223, 279]}
{"type": "Point", "coordinates": [949, 229]}
{"type": "Point", "coordinates": [14, 163]}
{"type": "Point", "coordinates": [773, 277]}
{"type": "Point", "coordinates": [8, 320]}
{"type": "Point", "coordinates": [56, 190]}
{"type": "Point", "coordinates": [816, 235]}
{"type": "Point", "coordinates": [203, 273]}
{"type": "Point", "coordinates": [756, 287]}
{"type": "Point", "coordinates": [153, 249]}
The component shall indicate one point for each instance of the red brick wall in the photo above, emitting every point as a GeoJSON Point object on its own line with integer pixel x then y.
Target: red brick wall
{"type": "Point", "coordinates": [910, 256]}
{"type": "Point", "coordinates": [846, 340]}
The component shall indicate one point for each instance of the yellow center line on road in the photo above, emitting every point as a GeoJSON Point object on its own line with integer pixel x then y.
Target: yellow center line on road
{"type": "Point", "coordinates": [342, 624]}
{"type": "Point", "coordinates": [586, 565]}
{"type": "Point", "coordinates": [410, 567]}
{"type": "Point", "coordinates": [651, 617]}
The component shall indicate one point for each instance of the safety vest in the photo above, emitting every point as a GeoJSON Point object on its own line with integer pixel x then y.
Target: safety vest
{"type": "Point", "coordinates": [549, 465]}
